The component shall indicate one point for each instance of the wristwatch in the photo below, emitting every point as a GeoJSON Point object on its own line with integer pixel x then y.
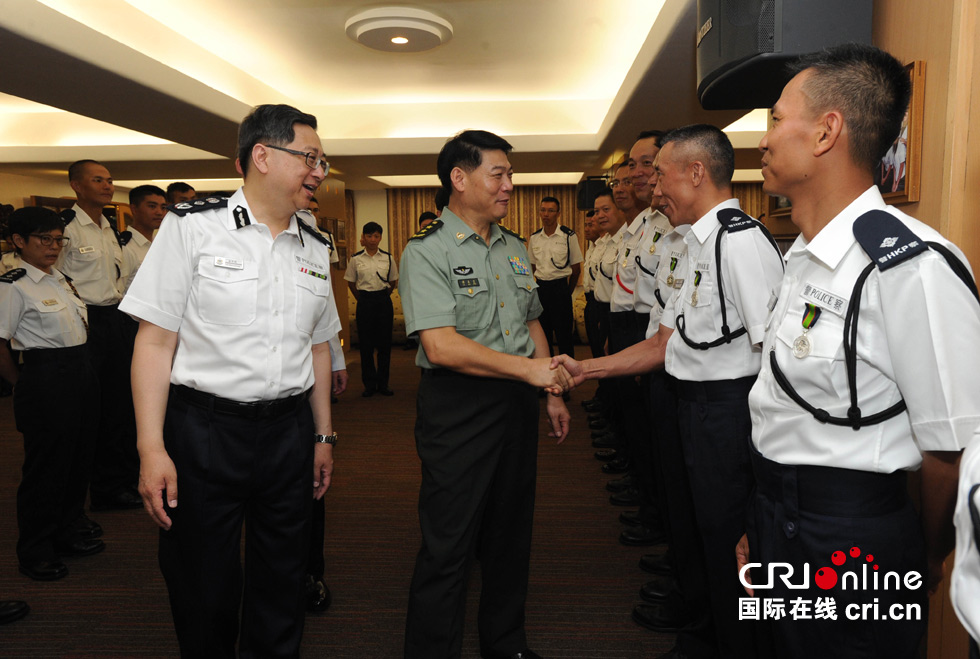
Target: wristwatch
{"type": "Point", "coordinates": [325, 439]}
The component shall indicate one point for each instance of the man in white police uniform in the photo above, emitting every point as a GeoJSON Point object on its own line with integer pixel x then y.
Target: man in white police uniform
{"type": "Point", "coordinates": [231, 378]}
{"type": "Point", "coordinates": [870, 371]}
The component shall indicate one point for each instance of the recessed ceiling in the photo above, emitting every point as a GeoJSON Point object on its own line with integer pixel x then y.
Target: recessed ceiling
{"type": "Point", "coordinates": [568, 82]}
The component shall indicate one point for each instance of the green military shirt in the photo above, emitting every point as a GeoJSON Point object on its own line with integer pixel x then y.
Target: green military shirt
{"type": "Point", "coordinates": [450, 278]}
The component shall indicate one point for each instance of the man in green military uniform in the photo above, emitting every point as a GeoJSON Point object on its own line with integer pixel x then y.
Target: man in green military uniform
{"type": "Point", "coordinates": [470, 298]}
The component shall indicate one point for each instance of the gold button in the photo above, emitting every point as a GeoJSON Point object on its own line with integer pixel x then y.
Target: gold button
{"type": "Point", "coordinates": [507, 332]}
{"type": "Point", "coordinates": [528, 287]}
{"type": "Point", "coordinates": [501, 304]}
{"type": "Point", "coordinates": [498, 276]}
{"type": "Point", "coordinates": [470, 291]}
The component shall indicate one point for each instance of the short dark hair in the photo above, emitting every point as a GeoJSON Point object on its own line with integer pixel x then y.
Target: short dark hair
{"type": "Point", "coordinates": [427, 215]}
{"type": "Point", "coordinates": [658, 134]}
{"type": "Point", "coordinates": [269, 123]}
{"type": "Point", "coordinates": [141, 192]}
{"type": "Point", "coordinates": [553, 200]}
{"type": "Point", "coordinates": [465, 151]}
{"type": "Point", "coordinates": [76, 169]}
{"type": "Point", "coordinates": [371, 227]}
{"type": "Point", "coordinates": [442, 198]}
{"type": "Point", "coordinates": [870, 88]}
{"type": "Point", "coordinates": [177, 187]}
{"type": "Point", "coordinates": [605, 192]}
{"type": "Point", "coordinates": [32, 219]}
{"type": "Point", "coordinates": [711, 146]}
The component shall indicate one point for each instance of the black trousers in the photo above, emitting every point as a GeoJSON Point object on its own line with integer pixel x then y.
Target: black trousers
{"type": "Point", "coordinates": [604, 390]}
{"type": "Point", "coordinates": [315, 562]}
{"type": "Point", "coordinates": [557, 319]}
{"type": "Point", "coordinates": [55, 405]}
{"type": "Point", "coordinates": [697, 638]}
{"type": "Point", "coordinates": [477, 439]}
{"type": "Point", "coordinates": [597, 340]}
{"type": "Point", "coordinates": [802, 515]}
{"type": "Point", "coordinates": [715, 430]}
{"type": "Point", "coordinates": [233, 471]}
{"type": "Point", "coordinates": [375, 317]}
{"type": "Point", "coordinates": [115, 466]}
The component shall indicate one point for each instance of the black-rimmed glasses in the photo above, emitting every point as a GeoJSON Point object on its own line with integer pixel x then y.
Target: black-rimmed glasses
{"type": "Point", "coordinates": [48, 240]}
{"type": "Point", "coordinates": [312, 160]}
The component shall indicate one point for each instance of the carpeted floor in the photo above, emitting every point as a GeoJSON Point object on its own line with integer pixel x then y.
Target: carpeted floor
{"type": "Point", "coordinates": [583, 582]}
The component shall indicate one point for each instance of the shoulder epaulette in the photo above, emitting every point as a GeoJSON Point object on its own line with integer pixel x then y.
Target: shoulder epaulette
{"type": "Point", "coordinates": [513, 233]}
{"type": "Point", "coordinates": [384, 252]}
{"type": "Point", "coordinates": [125, 237]}
{"type": "Point", "coordinates": [567, 231]}
{"type": "Point", "coordinates": [13, 275]}
{"type": "Point", "coordinates": [886, 239]}
{"type": "Point", "coordinates": [534, 233]}
{"type": "Point", "coordinates": [198, 205]}
{"type": "Point", "coordinates": [313, 232]}
{"type": "Point", "coordinates": [734, 219]}
{"type": "Point", "coordinates": [359, 253]}
{"type": "Point", "coordinates": [427, 230]}
{"type": "Point", "coordinates": [67, 215]}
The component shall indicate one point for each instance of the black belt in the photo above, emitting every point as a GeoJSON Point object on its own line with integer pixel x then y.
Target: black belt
{"type": "Point", "coordinates": [97, 309]}
{"type": "Point", "coordinates": [712, 389]}
{"type": "Point", "coordinates": [384, 291]}
{"type": "Point", "coordinates": [262, 409]}
{"type": "Point", "coordinates": [590, 296]}
{"type": "Point", "coordinates": [830, 490]}
{"type": "Point", "coordinates": [545, 283]}
{"type": "Point", "coordinates": [53, 355]}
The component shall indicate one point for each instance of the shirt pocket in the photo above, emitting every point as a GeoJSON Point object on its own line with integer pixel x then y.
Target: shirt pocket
{"type": "Point", "coordinates": [86, 266]}
{"type": "Point", "coordinates": [312, 296]}
{"type": "Point", "coordinates": [524, 293]}
{"type": "Point", "coordinates": [474, 303]}
{"type": "Point", "coordinates": [54, 321]}
{"type": "Point", "coordinates": [825, 337]}
{"type": "Point", "coordinates": [227, 296]}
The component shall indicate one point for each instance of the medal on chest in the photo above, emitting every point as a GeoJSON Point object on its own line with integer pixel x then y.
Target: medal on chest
{"type": "Point", "coordinates": [670, 275]}
{"type": "Point", "coordinates": [803, 345]}
{"type": "Point", "coordinates": [653, 245]}
{"type": "Point", "coordinates": [518, 265]}
{"type": "Point", "coordinates": [697, 282]}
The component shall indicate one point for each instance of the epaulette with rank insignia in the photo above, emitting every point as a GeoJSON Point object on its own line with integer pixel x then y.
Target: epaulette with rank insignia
{"type": "Point", "coordinates": [67, 215]}
{"type": "Point", "coordinates": [13, 275]}
{"type": "Point", "coordinates": [359, 253]}
{"type": "Point", "coordinates": [427, 230]}
{"type": "Point", "coordinates": [313, 232]}
{"type": "Point", "coordinates": [886, 239]}
{"type": "Point", "coordinates": [734, 220]}
{"type": "Point", "coordinates": [186, 207]}
{"type": "Point", "coordinates": [534, 233]}
{"type": "Point", "coordinates": [567, 231]}
{"type": "Point", "coordinates": [124, 237]}
{"type": "Point", "coordinates": [513, 233]}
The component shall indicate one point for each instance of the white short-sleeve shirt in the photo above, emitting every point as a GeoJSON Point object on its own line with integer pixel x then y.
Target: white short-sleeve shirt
{"type": "Point", "coordinates": [92, 258]}
{"type": "Point", "coordinates": [547, 253]}
{"type": "Point", "coordinates": [39, 310]}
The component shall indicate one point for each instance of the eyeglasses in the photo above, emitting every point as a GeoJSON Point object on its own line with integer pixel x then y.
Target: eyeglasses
{"type": "Point", "coordinates": [313, 161]}
{"type": "Point", "coordinates": [47, 240]}
{"type": "Point", "coordinates": [615, 183]}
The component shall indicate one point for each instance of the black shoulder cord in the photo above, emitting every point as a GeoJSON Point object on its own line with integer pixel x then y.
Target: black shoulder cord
{"type": "Point", "coordinates": [385, 279]}
{"type": "Point", "coordinates": [974, 516]}
{"type": "Point", "coordinates": [656, 290]}
{"type": "Point", "coordinates": [854, 419]}
{"type": "Point", "coordinates": [726, 334]}
{"type": "Point", "coordinates": [568, 253]}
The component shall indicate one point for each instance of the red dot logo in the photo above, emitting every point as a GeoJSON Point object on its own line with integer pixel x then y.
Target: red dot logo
{"type": "Point", "coordinates": [869, 558]}
{"type": "Point", "coordinates": [825, 578]}
{"type": "Point", "coordinates": [855, 552]}
{"type": "Point", "coordinates": [838, 558]}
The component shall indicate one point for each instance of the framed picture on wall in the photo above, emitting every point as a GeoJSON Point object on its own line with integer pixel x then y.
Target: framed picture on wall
{"type": "Point", "coordinates": [897, 174]}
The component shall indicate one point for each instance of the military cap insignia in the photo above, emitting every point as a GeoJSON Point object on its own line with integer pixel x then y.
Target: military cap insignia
{"type": "Point", "coordinates": [13, 275]}
{"type": "Point", "coordinates": [512, 232]}
{"type": "Point", "coordinates": [427, 230]}
{"type": "Point", "coordinates": [186, 207]}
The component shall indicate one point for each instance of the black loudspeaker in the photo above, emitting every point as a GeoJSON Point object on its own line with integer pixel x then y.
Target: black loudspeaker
{"type": "Point", "coordinates": [587, 190]}
{"type": "Point", "coordinates": [743, 45]}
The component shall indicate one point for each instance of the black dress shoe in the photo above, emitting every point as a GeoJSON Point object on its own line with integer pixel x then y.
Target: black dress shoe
{"type": "Point", "coordinates": [656, 564]}
{"type": "Point", "coordinates": [367, 393]}
{"type": "Point", "coordinates": [78, 548]}
{"type": "Point", "coordinates": [608, 432]}
{"type": "Point", "coordinates": [124, 500]}
{"type": "Point", "coordinates": [86, 529]}
{"type": "Point", "coordinates": [11, 610]}
{"type": "Point", "coordinates": [620, 484]}
{"type": "Point", "coordinates": [605, 440]}
{"type": "Point", "coordinates": [599, 424]}
{"type": "Point", "coordinates": [386, 392]}
{"type": "Point", "coordinates": [606, 454]}
{"type": "Point", "coordinates": [657, 617]}
{"type": "Point", "coordinates": [642, 536]}
{"type": "Point", "coordinates": [618, 466]}
{"type": "Point", "coordinates": [318, 596]}
{"type": "Point", "coordinates": [628, 497]}
{"type": "Point", "coordinates": [45, 570]}
{"type": "Point", "coordinates": [630, 518]}
{"type": "Point", "coordinates": [594, 416]}
{"type": "Point", "coordinates": [658, 590]}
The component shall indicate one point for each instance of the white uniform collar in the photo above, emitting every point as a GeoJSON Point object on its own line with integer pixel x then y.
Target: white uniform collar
{"type": "Point", "coordinates": [637, 222]}
{"type": "Point", "coordinates": [247, 218]}
{"type": "Point", "coordinates": [833, 241]}
{"type": "Point", "coordinates": [84, 218]}
{"type": "Point", "coordinates": [706, 225]}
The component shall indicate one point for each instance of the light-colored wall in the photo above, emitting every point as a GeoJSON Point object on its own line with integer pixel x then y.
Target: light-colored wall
{"type": "Point", "coordinates": [17, 190]}
{"type": "Point", "coordinates": [371, 206]}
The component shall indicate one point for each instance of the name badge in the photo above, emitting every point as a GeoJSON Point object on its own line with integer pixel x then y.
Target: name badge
{"type": "Point", "coordinates": [225, 262]}
{"type": "Point", "coordinates": [824, 299]}
{"type": "Point", "coordinates": [773, 298]}
{"type": "Point", "coordinates": [87, 249]}
{"type": "Point", "coordinates": [49, 303]}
